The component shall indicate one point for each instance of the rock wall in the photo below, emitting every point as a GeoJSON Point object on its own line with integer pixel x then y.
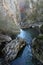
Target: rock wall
{"type": "Point", "coordinates": [21, 12]}
{"type": "Point", "coordinates": [31, 12]}
{"type": "Point", "coordinates": [8, 16]}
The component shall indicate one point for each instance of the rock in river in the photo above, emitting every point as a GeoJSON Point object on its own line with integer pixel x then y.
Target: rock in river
{"type": "Point", "coordinates": [37, 48]}
{"type": "Point", "coordinates": [11, 49]}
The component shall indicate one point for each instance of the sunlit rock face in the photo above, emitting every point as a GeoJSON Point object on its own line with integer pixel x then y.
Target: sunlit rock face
{"type": "Point", "coordinates": [11, 49]}
{"type": "Point", "coordinates": [37, 48]}
{"type": "Point", "coordinates": [31, 11]}
{"type": "Point", "coordinates": [20, 12]}
{"type": "Point", "coordinates": [8, 16]}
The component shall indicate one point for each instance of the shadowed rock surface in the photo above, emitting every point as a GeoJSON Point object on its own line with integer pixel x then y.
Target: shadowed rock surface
{"type": "Point", "coordinates": [41, 29]}
{"type": "Point", "coordinates": [37, 48]}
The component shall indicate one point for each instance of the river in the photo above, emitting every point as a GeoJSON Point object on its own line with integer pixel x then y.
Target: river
{"type": "Point", "coordinates": [25, 57]}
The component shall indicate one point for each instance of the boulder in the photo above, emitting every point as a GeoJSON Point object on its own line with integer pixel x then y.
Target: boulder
{"type": "Point", "coordinates": [37, 48]}
{"type": "Point", "coordinates": [11, 49]}
{"type": "Point", "coordinates": [5, 38]}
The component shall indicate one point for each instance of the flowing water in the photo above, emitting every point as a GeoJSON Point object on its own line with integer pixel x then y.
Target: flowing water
{"type": "Point", "coordinates": [26, 57]}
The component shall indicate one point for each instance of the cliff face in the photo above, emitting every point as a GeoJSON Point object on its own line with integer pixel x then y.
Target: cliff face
{"type": "Point", "coordinates": [37, 48]}
{"type": "Point", "coordinates": [23, 13]}
{"type": "Point", "coordinates": [31, 12]}
{"type": "Point", "coordinates": [8, 19]}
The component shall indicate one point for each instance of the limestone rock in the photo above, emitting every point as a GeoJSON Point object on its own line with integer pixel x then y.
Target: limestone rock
{"type": "Point", "coordinates": [37, 48]}
{"type": "Point", "coordinates": [11, 49]}
{"type": "Point", "coordinates": [8, 20]}
{"type": "Point", "coordinates": [5, 38]}
{"type": "Point", "coordinates": [31, 12]}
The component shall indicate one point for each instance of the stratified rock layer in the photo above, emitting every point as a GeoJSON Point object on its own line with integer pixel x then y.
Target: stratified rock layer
{"type": "Point", "coordinates": [11, 49]}
{"type": "Point", "coordinates": [5, 38]}
{"type": "Point", "coordinates": [8, 20]}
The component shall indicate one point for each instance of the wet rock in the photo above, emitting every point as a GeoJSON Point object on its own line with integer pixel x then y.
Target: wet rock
{"type": "Point", "coordinates": [37, 48]}
{"type": "Point", "coordinates": [36, 62]}
{"type": "Point", "coordinates": [5, 38]}
{"type": "Point", "coordinates": [11, 49]}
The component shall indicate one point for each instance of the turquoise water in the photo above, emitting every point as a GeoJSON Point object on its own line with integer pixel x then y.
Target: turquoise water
{"type": "Point", "coordinates": [26, 57]}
